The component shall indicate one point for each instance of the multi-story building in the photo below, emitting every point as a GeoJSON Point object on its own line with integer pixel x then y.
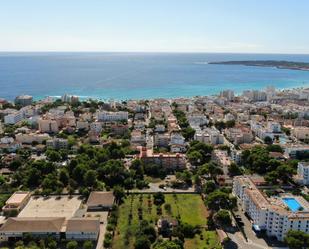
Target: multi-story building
{"type": "Point", "coordinates": [57, 143]}
{"type": "Point", "coordinates": [228, 94]}
{"type": "Point", "coordinates": [209, 136]}
{"type": "Point", "coordinates": [162, 140]}
{"type": "Point", "coordinates": [303, 173]}
{"type": "Point", "coordinates": [276, 215]}
{"type": "Point", "coordinates": [14, 118]}
{"type": "Point", "coordinates": [112, 116]}
{"type": "Point", "coordinates": [48, 125]}
{"type": "Point", "coordinates": [23, 100]}
{"type": "Point", "coordinates": [31, 137]}
{"type": "Point", "coordinates": [168, 161]}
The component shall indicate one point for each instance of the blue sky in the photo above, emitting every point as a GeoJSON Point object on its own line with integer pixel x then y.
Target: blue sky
{"type": "Point", "coordinates": [257, 26]}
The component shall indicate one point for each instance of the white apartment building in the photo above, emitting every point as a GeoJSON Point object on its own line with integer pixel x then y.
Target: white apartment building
{"type": "Point", "coordinates": [177, 138]}
{"type": "Point", "coordinates": [112, 116]}
{"type": "Point", "coordinates": [14, 118]}
{"type": "Point", "coordinates": [57, 143]}
{"type": "Point", "coordinates": [303, 173]}
{"type": "Point", "coordinates": [275, 215]}
{"type": "Point", "coordinates": [228, 94]}
{"type": "Point", "coordinates": [209, 136]}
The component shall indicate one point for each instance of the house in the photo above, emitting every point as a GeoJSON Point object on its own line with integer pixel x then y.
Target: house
{"type": "Point", "coordinates": [166, 225]}
{"type": "Point", "coordinates": [82, 228]}
{"type": "Point", "coordinates": [16, 202]}
{"type": "Point", "coordinates": [100, 200]}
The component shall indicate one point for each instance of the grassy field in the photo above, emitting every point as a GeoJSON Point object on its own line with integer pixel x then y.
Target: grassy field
{"type": "Point", "coordinates": [190, 208]}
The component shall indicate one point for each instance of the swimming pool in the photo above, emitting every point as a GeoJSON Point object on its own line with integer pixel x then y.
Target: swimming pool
{"type": "Point", "coordinates": [293, 205]}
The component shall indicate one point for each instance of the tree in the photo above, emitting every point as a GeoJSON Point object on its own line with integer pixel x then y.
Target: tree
{"type": "Point", "coordinates": [275, 148]}
{"type": "Point", "coordinates": [285, 173]}
{"type": "Point", "coordinates": [234, 170]}
{"type": "Point", "coordinates": [188, 133]}
{"type": "Point", "coordinates": [268, 140]}
{"type": "Point", "coordinates": [53, 156]}
{"type": "Point", "coordinates": [209, 187]}
{"type": "Point", "coordinates": [87, 244]}
{"type": "Point", "coordinates": [218, 200]}
{"type": "Point", "coordinates": [195, 157]}
{"type": "Point", "coordinates": [119, 193]}
{"type": "Point", "coordinates": [159, 198]}
{"type": "Point", "coordinates": [64, 177]}
{"type": "Point", "coordinates": [297, 239]}
{"type": "Point", "coordinates": [72, 245]}
{"type": "Point", "coordinates": [223, 217]}
{"type": "Point", "coordinates": [90, 178]}
{"type": "Point", "coordinates": [142, 243]}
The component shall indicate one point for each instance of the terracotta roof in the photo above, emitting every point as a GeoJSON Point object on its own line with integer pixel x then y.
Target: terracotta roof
{"type": "Point", "coordinates": [21, 224]}
{"type": "Point", "coordinates": [83, 225]}
{"type": "Point", "coordinates": [98, 198]}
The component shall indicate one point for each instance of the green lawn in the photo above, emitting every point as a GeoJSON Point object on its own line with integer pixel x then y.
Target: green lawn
{"type": "Point", "coordinates": [189, 207]}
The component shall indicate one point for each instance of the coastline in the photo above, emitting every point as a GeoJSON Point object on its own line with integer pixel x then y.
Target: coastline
{"type": "Point", "coordinates": [98, 98]}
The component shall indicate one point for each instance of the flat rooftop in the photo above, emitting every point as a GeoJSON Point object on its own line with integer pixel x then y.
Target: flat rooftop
{"type": "Point", "coordinates": [53, 206]}
{"type": "Point", "coordinates": [17, 197]}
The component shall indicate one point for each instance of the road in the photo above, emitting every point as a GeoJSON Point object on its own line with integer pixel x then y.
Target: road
{"type": "Point", "coordinates": [101, 236]}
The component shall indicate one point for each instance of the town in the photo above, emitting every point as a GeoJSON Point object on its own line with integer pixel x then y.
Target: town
{"type": "Point", "coordinates": [222, 171]}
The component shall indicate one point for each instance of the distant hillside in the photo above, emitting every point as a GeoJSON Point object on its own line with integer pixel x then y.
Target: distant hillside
{"type": "Point", "coordinates": [269, 63]}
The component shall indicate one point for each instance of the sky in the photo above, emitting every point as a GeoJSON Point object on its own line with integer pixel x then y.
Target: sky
{"type": "Point", "coordinates": [237, 26]}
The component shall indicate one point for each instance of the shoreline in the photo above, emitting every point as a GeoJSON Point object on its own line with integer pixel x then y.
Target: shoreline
{"type": "Point", "coordinates": [97, 98]}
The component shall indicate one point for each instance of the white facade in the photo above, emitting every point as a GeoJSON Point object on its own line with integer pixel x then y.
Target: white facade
{"type": "Point", "coordinates": [13, 118]}
{"type": "Point", "coordinates": [112, 116]}
{"type": "Point", "coordinates": [303, 172]}
{"type": "Point", "coordinates": [270, 214]}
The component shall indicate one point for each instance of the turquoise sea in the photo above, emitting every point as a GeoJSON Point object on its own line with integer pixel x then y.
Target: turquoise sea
{"type": "Point", "coordinates": [139, 75]}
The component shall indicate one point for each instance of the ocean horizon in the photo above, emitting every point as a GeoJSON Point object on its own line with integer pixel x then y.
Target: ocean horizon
{"type": "Point", "coordinates": [139, 75]}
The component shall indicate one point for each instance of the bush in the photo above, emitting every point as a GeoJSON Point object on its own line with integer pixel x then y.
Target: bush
{"type": "Point", "coordinates": [72, 245]}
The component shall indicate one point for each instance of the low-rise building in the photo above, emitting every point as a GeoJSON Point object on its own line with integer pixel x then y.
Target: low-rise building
{"type": "Point", "coordinates": [99, 200]}
{"type": "Point", "coordinates": [301, 133]}
{"type": "Point", "coordinates": [16, 202]}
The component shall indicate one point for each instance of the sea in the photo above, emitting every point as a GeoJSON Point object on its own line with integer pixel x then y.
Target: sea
{"type": "Point", "coordinates": [123, 76]}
